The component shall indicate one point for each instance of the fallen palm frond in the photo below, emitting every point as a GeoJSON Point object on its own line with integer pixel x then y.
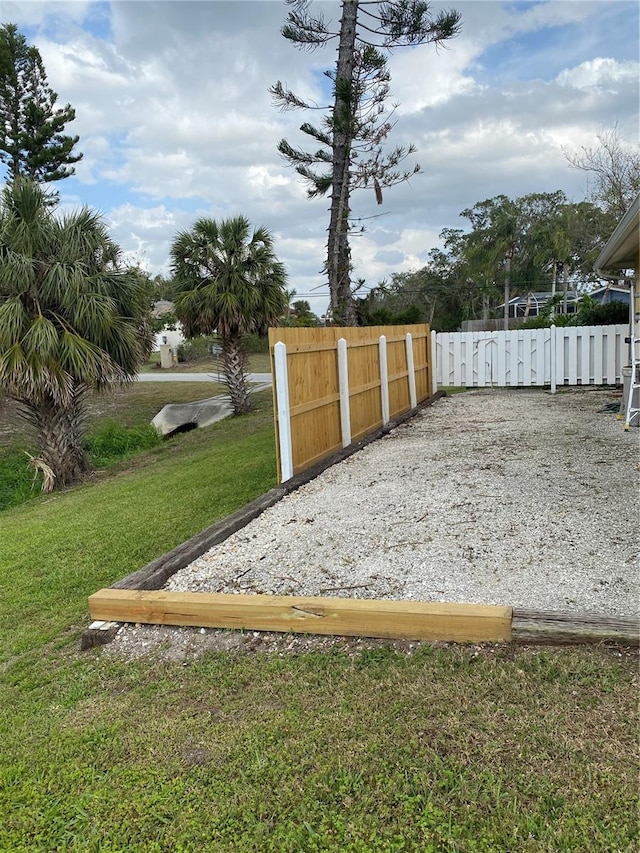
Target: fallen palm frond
{"type": "Point", "coordinates": [41, 467]}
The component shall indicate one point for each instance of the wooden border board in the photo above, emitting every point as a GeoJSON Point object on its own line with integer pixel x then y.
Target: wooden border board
{"type": "Point", "coordinates": [352, 617]}
{"type": "Point", "coordinates": [559, 627]}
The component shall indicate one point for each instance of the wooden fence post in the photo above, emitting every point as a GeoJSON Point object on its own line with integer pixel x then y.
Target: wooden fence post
{"type": "Point", "coordinates": [413, 397]}
{"type": "Point", "coordinates": [384, 379]}
{"type": "Point", "coordinates": [284, 413]}
{"type": "Point", "coordinates": [343, 379]}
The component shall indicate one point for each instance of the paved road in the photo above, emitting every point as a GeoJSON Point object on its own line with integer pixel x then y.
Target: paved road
{"type": "Point", "coordinates": [160, 376]}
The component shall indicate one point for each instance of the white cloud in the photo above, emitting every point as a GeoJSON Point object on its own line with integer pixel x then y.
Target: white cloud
{"type": "Point", "coordinates": [426, 77]}
{"type": "Point", "coordinates": [176, 121]}
{"type": "Point", "coordinates": [602, 74]}
{"type": "Point", "coordinates": [33, 13]}
{"type": "Point", "coordinates": [546, 14]}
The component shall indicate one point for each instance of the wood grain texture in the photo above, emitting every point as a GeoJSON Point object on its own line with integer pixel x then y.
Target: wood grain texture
{"type": "Point", "coordinates": [413, 620]}
{"type": "Point", "coordinates": [563, 627]}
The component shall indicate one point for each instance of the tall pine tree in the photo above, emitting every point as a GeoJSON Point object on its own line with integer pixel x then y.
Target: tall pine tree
{"type": "Point", "coordinates": [32, 139]}
{"type": "Point", "coordinates": [353, 132]}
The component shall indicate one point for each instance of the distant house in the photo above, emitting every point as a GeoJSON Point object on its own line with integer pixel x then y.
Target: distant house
{"type": "Point", "coordinates": [531, 304]}
{"type": "Point", "coordinates": [162, 307]}
{"type": "Point", "coordinates": [172, 333]}
{"type": "Point", "coordinates": [611, 293]}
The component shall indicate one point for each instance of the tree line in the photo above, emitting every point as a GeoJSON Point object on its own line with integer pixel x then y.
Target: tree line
{"type": "Point", "coordinates": [539, 242]}
{"type": "Point", "coordinates": [512, 247]}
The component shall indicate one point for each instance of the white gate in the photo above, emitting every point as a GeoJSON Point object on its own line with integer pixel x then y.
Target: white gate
{"type": "Point", "coordinates": [569, 355]}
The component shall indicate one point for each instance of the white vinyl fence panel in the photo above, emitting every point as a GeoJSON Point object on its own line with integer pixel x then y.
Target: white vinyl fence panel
{"type": "Point", "coordinates": [571, 355]}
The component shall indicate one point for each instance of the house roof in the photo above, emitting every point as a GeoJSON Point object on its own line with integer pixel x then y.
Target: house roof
{"type": "Point", "coordinates": [624, 288]}
{"type": "Point", "coordinates": [162, 306]}
{"type": "Point", "coordinates": [537, 296]}
{"type": "Point", "coordinates": [623, 247]}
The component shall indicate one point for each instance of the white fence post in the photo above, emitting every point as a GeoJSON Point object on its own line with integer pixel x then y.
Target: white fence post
{"type": "Point", "coordinates": [553, 355]}
{"type": "Point", "coordinates": [284, 414]}
{"type": "Point", "coordinates": [343, 379]}
{"type": "Point", "coordinates": [434, 361]}
{"type": "Point", "coordinates": [384, 379]}
{"type": "Point", "coordinates": [413, 397]}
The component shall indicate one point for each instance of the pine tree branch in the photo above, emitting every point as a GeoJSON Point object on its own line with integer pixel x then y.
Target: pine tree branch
{"type": "Point", "coordinates": [285, 99]}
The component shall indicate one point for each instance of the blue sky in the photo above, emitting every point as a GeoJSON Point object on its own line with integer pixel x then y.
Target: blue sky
{"type": "Point", "coordinates": [175, 119]}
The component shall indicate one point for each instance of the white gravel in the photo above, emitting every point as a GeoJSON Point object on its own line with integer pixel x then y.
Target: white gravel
{"type": "Point", "coordinates": [520, 498]}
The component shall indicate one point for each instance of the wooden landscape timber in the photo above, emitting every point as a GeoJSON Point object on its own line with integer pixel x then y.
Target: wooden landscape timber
{"type": "Point", "coordinates": [551, 627]}
{"type": "Point", "coordinates": [349, 617]}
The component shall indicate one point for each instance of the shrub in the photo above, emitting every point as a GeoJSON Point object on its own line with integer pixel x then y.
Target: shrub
{"type": "Point", "coordinates": [197, 348]}
{"type": "Point", "coordinates": [590, 313]}
{"type": "Point", "coordinates": [602, 314]}
{"type": "Point", "coordinates": [114, 442]}
{"type": "Point", "coordinates": [255, 343]}
{"type": "Point", "coordinates": [17, 483]}
{"type": "Point", "coordinates": [544, 322]}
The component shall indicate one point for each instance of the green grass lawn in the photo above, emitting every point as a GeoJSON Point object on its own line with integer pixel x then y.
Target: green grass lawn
{"type": "Point", "coordinates": [135, 404]}
{"type": "Point", "coordinates": [258, 363]}
{"type": "Point", "coordinates": [446, 749]}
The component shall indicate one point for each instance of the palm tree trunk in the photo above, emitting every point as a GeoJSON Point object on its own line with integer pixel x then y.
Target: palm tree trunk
{"type": "Point", "coordinates": [485, 305]}
{"type": "Point", "coordinates": [565, 287]}
{"type": "Point", "coordinates": [234, 360]}
{"type": "Point", "coordinates": [62, 459]}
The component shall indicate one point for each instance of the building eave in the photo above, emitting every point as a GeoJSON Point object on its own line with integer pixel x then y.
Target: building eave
{"type": "Point", "coordinates": [623, 247]}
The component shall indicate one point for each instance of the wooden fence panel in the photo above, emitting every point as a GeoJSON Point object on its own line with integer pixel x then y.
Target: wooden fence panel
{"type": "Point", "coordinates": [364, 387]}
{"type": "Point", "coordinates": [313, 384]}
{"type": "Point", "coordinates": [398, 377]}
{"type": "Point", "coordinates": [424, 361]}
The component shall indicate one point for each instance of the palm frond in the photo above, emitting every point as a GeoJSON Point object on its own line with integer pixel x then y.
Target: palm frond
{"type": "Point", "coordinates": [41, 338]}
{"type": "Point", "coordinates": [83, 359]}
{"type": "Point", "coordinates": [228, 277]}
{"type": "Point", "coordinates": [13, 320]}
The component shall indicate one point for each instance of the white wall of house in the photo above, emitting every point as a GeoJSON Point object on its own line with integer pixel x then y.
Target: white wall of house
{"type": "Point", "coordinates": [173, 338]}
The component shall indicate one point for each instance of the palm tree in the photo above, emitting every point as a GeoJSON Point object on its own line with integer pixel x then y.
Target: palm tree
{"type": "Point", "coordinates": [72, 320]}
{"type": "Point", "coordinates": [228, 281]}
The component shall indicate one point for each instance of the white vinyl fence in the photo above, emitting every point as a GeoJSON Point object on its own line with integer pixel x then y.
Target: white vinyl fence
{"type": "Point", "coordinates": [570, 355]}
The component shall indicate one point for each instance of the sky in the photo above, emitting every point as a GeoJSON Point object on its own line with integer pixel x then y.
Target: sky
{"type": "Point", "coordinates": [176, 121]}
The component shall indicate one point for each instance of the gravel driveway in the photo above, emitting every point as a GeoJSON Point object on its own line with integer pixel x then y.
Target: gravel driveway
{"type": "Point", "coordinates": [518, 497]}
